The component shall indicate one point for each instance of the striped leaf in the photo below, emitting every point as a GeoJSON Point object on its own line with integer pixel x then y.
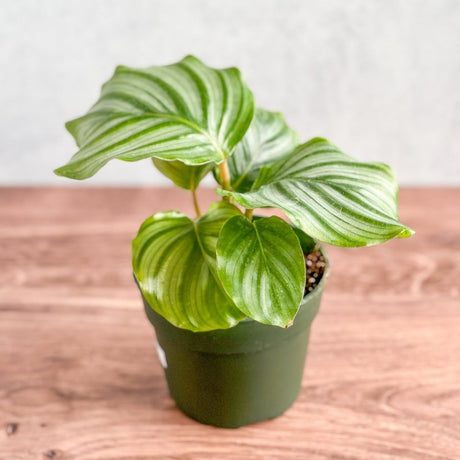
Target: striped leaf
{"type": "Point", "coordinates": [185, 111]}
{"type": "Point", "coordinates": [262, 268]}
{"type": "Point", "coordinates": [184, 176]}
{"type": "Point", "coordinates": [267, 139]}
{"type": "Point", "coordinates": [330, 196]}
{"type": "Point", "coordinates": [174, 261]}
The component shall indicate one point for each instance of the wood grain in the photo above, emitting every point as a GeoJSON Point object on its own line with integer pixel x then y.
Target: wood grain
{"type": "Point", "coordinates": [79, 375]}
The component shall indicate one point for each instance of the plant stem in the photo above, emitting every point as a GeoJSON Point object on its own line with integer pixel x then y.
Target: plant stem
{"type": "Point", "coordinates": [248, 213]}
{"type": "Point", "coordinates": [195, 203]}
{"type": "Point", "coordinates": [224, 178]}
{"type": "Point", "coordinates": [224, 175]}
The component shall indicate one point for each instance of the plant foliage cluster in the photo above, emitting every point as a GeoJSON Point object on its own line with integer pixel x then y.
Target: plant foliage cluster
{"type": "Point", "coordinates": [212, 271]}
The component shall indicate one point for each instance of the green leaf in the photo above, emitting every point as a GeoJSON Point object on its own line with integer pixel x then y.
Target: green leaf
{"type": "Point", "coordinates": [184, 176]}
{"type": "Point", "coordinates": [262, 268]}
{"type": "Point", "coordinates": [174, 261]}
{"type": "Point", "coordinates": [330, 196]}
{"type": "Point", "coordinates": [185, 111]}
{"type": "Point", "coordinates": [267, 139]}
{"type": "Point", "coordinates": [307, 243]}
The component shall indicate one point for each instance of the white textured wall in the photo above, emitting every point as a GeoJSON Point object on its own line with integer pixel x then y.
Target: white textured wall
{"type": "Point", "coordinates": [380, 78]}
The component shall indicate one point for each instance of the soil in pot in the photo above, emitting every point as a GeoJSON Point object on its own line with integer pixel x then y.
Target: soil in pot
{"type": "Point", "coordinates": [315, 264]}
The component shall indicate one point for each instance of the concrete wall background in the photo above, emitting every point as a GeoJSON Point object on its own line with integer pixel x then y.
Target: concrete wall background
{"type": "Point", "coordinates": [380, 78]}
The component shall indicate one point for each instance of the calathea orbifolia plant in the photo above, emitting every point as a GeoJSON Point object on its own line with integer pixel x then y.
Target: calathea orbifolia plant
{"type": "Point", "coordinates": [214, 270]}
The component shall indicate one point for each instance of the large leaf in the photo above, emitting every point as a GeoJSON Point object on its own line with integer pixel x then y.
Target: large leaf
{"type": "Point", "coordinates": [185, 111]}
{"type": "Point", "coordinates": [267, 139]}
{"type": "Point", "coordinates": [262, 268]}
{"type": "Point", "coordinates": [184, 176]}
{"type": "Point", "coordinates": [330, 196]}
{"type": "Point", "coordinates": [174, 261]}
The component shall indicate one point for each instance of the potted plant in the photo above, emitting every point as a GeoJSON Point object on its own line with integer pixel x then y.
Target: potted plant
{"type": "Point", "coordinates": [232, 295]}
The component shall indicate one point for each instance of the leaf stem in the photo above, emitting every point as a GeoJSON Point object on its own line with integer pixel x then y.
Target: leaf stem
{"type": "Point", "coordinates": [248, 213]}
{"type": "Point", "coordinates": [224, 177]}
{"type": "Point", "coordinates": [195, 203]}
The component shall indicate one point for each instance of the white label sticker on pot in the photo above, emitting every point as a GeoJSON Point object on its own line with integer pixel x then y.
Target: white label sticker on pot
{"type": "Point", "coordinates": [161, 356]}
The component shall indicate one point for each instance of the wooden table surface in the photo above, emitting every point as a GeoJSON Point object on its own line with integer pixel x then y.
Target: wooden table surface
{"type": "Point", "coordinates": [79, 378]}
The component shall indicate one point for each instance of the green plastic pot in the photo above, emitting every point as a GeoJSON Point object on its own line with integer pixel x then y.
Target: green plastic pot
{"type": "Point", "coordinates": [234, 377]}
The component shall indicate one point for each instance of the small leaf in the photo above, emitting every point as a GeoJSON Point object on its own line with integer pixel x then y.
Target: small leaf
{"type": "Point", "coordinates": [262, 268]}
{"type": "Point", "coordinates": [267, 139]}
{"type": "Point", "coordinates": [185, 111]}
{"type": "Point", "coordinates": [307, 243]}
{"type": "Point", "coordinates": [184, 176]}
{"type": "Point", "coordinates": [174, 261]}
{"type": "Point", "coordinates": [330, 196]}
